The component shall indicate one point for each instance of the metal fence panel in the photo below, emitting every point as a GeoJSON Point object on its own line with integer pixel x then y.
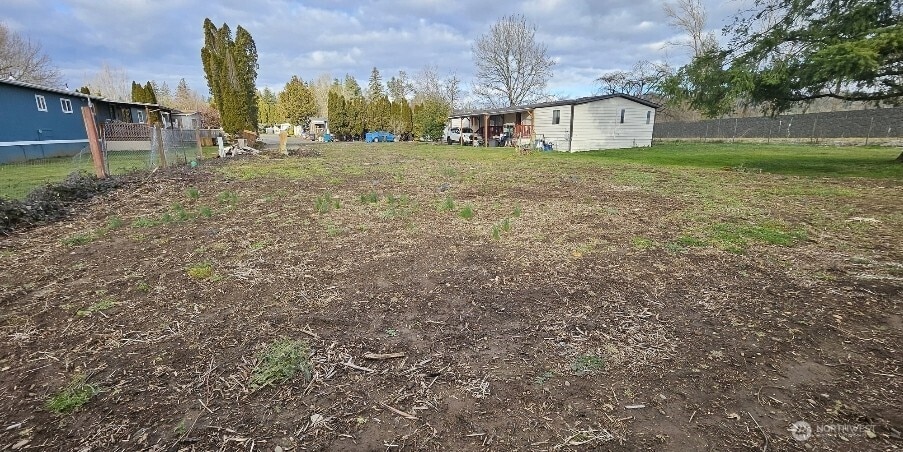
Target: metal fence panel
{"type": "Point", "coordinates": [857, 126]}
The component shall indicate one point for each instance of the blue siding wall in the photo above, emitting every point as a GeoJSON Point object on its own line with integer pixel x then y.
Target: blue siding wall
{"type": "Point", "coordinates": [20, 120]}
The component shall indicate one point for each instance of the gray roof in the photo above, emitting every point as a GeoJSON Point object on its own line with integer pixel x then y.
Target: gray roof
{"type": "Point", "coordinates": [557, 103]}
{"type": "Point", "coordinates": [67, 92]}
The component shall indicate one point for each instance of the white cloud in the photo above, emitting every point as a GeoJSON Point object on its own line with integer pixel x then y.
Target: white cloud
{"type": "Point", "coordinates": [161, 39]}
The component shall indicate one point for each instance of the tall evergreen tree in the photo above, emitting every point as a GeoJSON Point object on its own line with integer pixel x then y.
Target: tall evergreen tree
{"type": "Point", "coordinates": [378, 113]}
{"type": "Point", "coordinates": [337, 116]}
{"type": "Point", "coordinates": [356, 109]}
{"type": "Point", "coordinates": [137, 92]}
{"type": "Point", "coordinates": [376, 85]}
{"type": "Point", "coordinates": [266, 106]}
{"type": "Point", "coordinates": [407, 120]}
{"type": "Point", "coordinates": [297, 102]}
{"type": "Point", "coordinates": [230, 67]}
{"type": "Point", "coordinates": [351, 88]}
{"type": "Point", "coordinates": [150, 97]}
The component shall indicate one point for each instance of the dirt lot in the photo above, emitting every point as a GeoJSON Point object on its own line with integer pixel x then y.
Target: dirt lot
{"type": "Point", "coordinates": [581, 306]}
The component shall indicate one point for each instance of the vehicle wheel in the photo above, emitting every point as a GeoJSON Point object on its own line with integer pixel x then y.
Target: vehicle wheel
{"type": "Point", "coordinates": [448, 140]}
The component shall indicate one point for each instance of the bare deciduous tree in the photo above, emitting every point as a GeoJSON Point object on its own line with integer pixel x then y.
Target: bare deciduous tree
{"type": "Point", "coordinates": [643, 80]}
{"type": "Point", "coordinates": [320, 89]}
{"type": "Point", "coordinates": [109, 82]}
{"type": "Point", "coordinates": [399, 87]}
{"type": "Point", "coordinates": [512, 68]}
{"type": "Point", "coordinates": [452, 91]}
{"type": "Point", "coordinates": [689, 16]}
{"type": "Point", "coordinates": [427, 84]}
{"type": "Point", "coordinates": [23, 60]}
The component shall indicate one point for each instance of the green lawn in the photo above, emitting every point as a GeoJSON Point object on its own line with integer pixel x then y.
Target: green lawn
{"type": "Point", "coordinates": [798, 160]}
{"type": "Point", "coordinates": [18, 179]}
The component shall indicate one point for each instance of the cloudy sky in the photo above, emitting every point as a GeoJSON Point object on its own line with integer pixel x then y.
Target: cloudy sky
{"type": "Point", "coordinates": [161, 39]}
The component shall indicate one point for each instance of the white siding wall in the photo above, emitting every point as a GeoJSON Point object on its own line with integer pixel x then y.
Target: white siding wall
{"type": "Point", "coordinates": [554, 133]}
{"type": "Point", "coordinates": [597, 125]}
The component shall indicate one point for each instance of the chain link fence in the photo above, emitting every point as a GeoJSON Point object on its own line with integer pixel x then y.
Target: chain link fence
{"type": "Point", "coordinates": [125, 148]}
{"type": "Point", "coordinates": [857, 127]}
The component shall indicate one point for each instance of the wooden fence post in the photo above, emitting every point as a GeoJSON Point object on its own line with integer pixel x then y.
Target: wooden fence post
{"type": "Point", "coordinates": [94, 143]}
{"type": "Point", "coordinates": [197, 137]}
{"type": "Point", "coordinates": [283, 140]}
{"type": "Point", "coordinates": [160, 148]}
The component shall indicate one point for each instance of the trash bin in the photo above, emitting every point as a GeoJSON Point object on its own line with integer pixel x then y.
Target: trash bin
{"type": "Point", "coordinates": [493, 143]}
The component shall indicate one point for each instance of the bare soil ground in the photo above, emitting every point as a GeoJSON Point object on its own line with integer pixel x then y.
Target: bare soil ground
{"type": "Point", "coordinates": [618, 307]}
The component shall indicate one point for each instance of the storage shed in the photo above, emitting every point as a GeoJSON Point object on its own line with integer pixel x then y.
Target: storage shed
{"type": "Point", "coordinates": [609, 121]}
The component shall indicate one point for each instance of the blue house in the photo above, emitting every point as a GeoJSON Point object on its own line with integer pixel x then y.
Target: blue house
{"type": "Point", "coordinates": [40, 122]}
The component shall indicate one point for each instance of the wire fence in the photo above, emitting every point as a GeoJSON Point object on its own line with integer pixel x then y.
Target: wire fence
{"type": "Point", "coordinates": [125, 148]}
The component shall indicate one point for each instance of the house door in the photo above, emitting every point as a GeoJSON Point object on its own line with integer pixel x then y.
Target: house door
{"type": "Point", "coordinates": [517, 118]}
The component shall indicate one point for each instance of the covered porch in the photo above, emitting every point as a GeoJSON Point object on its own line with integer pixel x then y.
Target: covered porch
{"type": "Point", "coordinates": [510, 126]}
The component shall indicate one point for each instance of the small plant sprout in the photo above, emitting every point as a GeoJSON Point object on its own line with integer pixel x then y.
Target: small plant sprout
{"type": "Point", "coordinates": [143, 223]}
{"type": "Point", "coordinates": [501, 227]}
{"type": "Point", "coordinates": [642, 243]}
{"type": "Point", "coordinates": [517, 212]}
{"type": "Point", "coordinates": [114, 222]}
{"type": "Point", "coordinates": [447, 205]}
{"type": "Point", "coordinates": [193, 194]}
{"type": "Point", "coordinates": [466, 212]}
{"type": "Point", "coordinates": [200, 271]}
{"type": "Point", "coordinates": [73, 396]}
{"type": "Point", "coordinates": [544, 377]}
{"type": "Point", "coordinates": [228, 198]}
{"type": "Point", "coordinates": [391, 332]}
{"type": "Point", "coordinates": [100, 306]}
{"type": "Point", "coordinates": [325, 203]}
{"type": "Point", "coordinates": [280, 362]}
{"type": "Point", "coordinates": [333, 230]}
{"type": "Point", "coordinates": [205, 212]}
{"type": "Point", "coordinates": [587, 364]}
{"type": "Point", "coordinates": [370, 198]}
{"type": "Point", "coordinates": [79, 239]}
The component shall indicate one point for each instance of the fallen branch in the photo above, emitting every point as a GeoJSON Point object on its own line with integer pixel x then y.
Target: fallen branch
{"type": "Point", "coordinates": [309, 332]}
{"type": "Point", "coordinates": [354, 366]}
{"type": "Point", "coordinates": [399, 412]}
{"type": "Point", "coordinates": [765, 447]}
{"type": "Point", "coordinates": [381, 356]}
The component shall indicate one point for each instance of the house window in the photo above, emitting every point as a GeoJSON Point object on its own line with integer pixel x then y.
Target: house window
{"type": "Point", "coordinates": [42, 104]}
{"type": "Point", "coordinates": [648, 116]}
{"type": "Point", "coordinates": [67, 105]}
{"type": "Point", "coordinates": [556, 116]}
{"type": "Point", "coordinates": [623, 112]}
{"type": "Point", "coordinates": [140, 117]}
